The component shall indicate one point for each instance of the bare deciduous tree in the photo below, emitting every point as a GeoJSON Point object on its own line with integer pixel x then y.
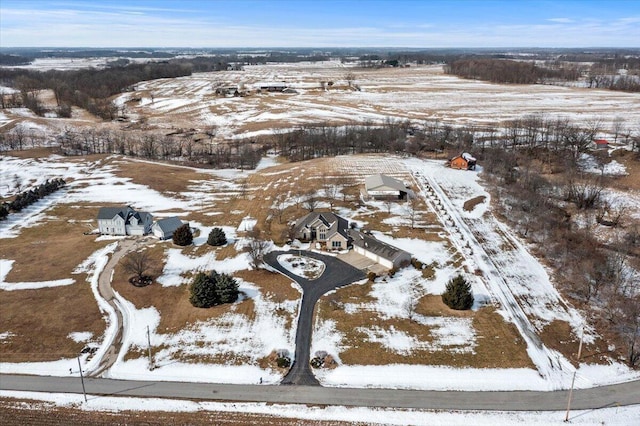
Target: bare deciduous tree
{"type": "Point", "coordinates": [311, 201]}
{"type": "Point", "coordinates": [137, 263]}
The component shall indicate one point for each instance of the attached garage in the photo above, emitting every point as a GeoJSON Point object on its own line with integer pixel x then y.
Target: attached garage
{"type": "Point", "coordinates": [382, 253]}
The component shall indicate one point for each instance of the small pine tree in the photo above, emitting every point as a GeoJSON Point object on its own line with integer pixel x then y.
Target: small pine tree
{"type": "Point", "coordinates": [226, 288]}
{"type": "Point", "coordinates": [183, 236]}
{"type": "Point", "coordinates": [203, 291]}
{"type": "Point", "coordinates": [217, 237]}
{"type": "Point", "coordinates": [458, 294]}
{"type": "Point", "coordinates": [213, 289]}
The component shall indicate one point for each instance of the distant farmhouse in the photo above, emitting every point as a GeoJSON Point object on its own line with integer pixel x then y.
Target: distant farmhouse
{"type": "Point", "coordinates": [271, 86]}
{"type": "Point", "coordinates": [383, 187]}
{"type": "Point", "coordinates": [601, 143]}
{"type": "Point", "coordinates": [463, 161]}
{"type": "Point", "coordinates": [333, 231]}
{"type": "Point", "coordinates": [123, 221]}
{"type": "Point", "coordinates": [164, 228]}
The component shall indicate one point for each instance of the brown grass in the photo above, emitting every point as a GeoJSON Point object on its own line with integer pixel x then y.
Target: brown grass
{"type": "Point", "coordinates": [36, 413]}
{"type": "Point", "coordinates": [499, 344]}
{"type": "Point", "coordinates": [471, 204]}
{"type": "Point", "coordinates": [559, 335]}
{"type": "Point", "coordinates": [52, 250]}
{"type": "Point", "coordinates": [161, 177]}
{"type": "Point", "coordinates": [42, 319]}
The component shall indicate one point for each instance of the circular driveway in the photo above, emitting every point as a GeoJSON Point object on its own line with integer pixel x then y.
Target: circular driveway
{"type": "Point", "coordinates": [336, 274]}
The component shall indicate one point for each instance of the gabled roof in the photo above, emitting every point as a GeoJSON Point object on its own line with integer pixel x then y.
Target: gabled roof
{"type": "Point", "coordinates": [601, 142]}
{"type": "Point", "coordinates": [383, 182]}
{"type": "Point", "coordinates": [111, 212]}
{"type": "Point", "coordinates": [143, 216]}
{"type": "Point", "coordinates": [169, 224]}
{"type": "Point", "coordinates": [374, 245]}
{"type": "Point", "coordinates": [332, 221]}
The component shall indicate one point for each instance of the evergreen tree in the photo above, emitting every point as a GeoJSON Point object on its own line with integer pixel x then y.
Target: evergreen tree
{"type": "Point", "coordinates": [226, 288]}
{"type": "Point", "coordinates": [183, 236]}
{"type": "Point", "coordinates": [217, 237]}
{"type": "Point", "coordinates": [4, 211]}
{"type": "Point", "coordinates": [212, 289]}
{"type": "Point", "coordinates": [458, 294]}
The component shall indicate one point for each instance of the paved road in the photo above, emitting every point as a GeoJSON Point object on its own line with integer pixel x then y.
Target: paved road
{"type": "Point", "coordinates": [336, 274]}
{"type": "Point", "coordinates": [606, 396]}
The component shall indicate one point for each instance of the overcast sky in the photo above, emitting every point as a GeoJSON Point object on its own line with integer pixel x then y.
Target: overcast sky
{"type": "Point", "coordinates": [320, 23]}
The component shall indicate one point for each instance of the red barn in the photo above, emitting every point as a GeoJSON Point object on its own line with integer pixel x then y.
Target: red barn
{"type": "Point", "coordinates": [601, 143]}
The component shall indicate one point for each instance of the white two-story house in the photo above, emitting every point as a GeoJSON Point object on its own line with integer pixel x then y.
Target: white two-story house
{"type": "Point", "coordinates": [123, 221]}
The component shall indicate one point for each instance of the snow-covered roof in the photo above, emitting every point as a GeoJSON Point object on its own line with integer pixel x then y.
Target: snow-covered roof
{"type": "Point", "coordinates": [468, 157]}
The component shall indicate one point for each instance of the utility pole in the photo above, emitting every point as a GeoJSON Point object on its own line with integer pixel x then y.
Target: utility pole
{"type": "Point", "coordinates": [573, 380]}
{"type": "Point", "coordinates": [84, 392]}
{"type": "Point", "coordinates": [149, 349]}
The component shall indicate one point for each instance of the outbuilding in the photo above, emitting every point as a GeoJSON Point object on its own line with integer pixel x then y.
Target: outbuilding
{"type": "Point", "coordinates": [464, 161]}
{"type": "Point", "coordinates": [383, 187]}
{"type": "Point", "coordinates": [164, 228]}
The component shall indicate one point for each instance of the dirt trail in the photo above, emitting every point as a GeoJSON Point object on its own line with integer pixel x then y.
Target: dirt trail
{"type": "Point", "coordinates": [106, 291]}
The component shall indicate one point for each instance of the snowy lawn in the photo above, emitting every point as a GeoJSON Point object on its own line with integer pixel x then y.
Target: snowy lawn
{"type": "Point", "coordinates": [302, 266]}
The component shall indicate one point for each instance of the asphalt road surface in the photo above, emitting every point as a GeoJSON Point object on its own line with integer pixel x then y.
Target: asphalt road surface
{"type": "Point", "coordinates": [336, 274]}
{"type": "Point", "coordinates": [586, 399]}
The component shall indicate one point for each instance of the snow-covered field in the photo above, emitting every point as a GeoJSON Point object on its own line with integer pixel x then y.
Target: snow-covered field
{"type": "Point", "coordinates": [417, 93]}
{"type": "Point", "coordinates": [507, 281]}
{"type": "Point", "coordinates": [613, 416]}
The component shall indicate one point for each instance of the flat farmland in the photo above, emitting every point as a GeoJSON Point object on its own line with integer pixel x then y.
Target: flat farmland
{"type": "Point", "coordinates": [417, 93]}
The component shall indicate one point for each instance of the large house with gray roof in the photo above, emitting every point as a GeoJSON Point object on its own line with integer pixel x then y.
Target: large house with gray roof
{"type": "Point", "coordinates": [333, 231]}
{"type": "Point", "coordinates": [323, 227]}
{"type": "Point", "coordinates": [123, 221]}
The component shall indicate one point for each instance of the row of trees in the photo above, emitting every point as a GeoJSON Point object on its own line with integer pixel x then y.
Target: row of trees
{"type": "Point", "coordinates": [507, 71]}
{"type": "Point", "coordinates": [518, 72]}
{"type": "Point", "coordinates": [554, 136]}
{"type": "Point", "coordinates": [25, 199]}
{"type": "Point", "coordinates": [89, 89]}
{"type": "Point", "coordinates": [600, 277]}
{"type": "Point", "coordinates": [179, 146]}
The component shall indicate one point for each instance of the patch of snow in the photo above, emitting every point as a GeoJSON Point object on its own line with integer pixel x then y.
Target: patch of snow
{"type": "Point", "coordinates": [589, 164]}
{"type": "Point", "coordinates": [230, 335]}
{"type": "Point", "coordinates": [5, 268]}
{"type": "Point", "coordinates": [302, 266]}
{"type": "Point", "coordinates": [247, 224]}
{"type": "Point", "coordinates": [80, 336]}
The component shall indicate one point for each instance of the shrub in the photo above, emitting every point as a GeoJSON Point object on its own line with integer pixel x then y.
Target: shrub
{"type": "Point", "coordinates": [4, 211]}
{"type": "Point", "coordinates": [458, 294]}
{"type": "Point", "coordinates": [371, 276]}
{"type": "Point", "coordinates": [316, 362]}
{"type": "Point", "coordinates": [217, 237]}
{"type": "Point", "coordinates": [417, 264]}
{"type": "Point", "coordinates": [213, 289]}
{"type": "Point", "coordinates": [183, 236]}
{"type": "Point", "coordinates": [283, 362]}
